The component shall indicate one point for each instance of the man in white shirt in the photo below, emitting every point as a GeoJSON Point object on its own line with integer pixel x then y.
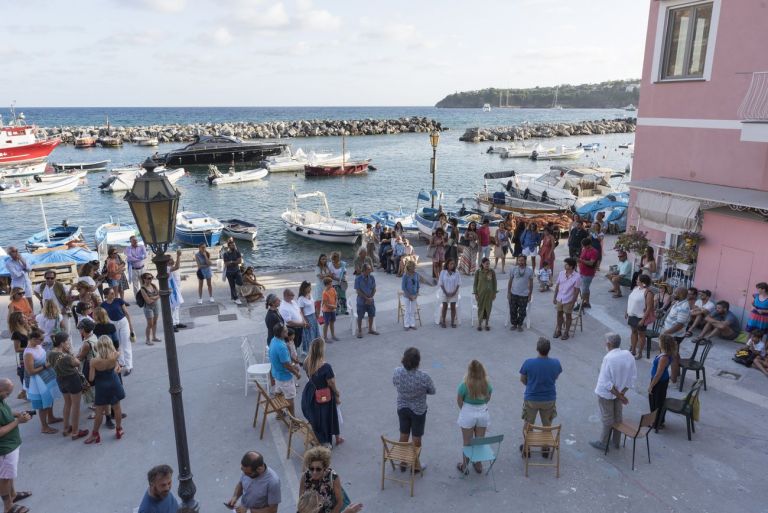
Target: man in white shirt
{"type": "Point", "coordinates": [135, 254]}
{"type": "Point", "coordinates": [291, 312]}
{"type": "Point", "coordinates": [618, 374]}
{"type": "Point", "coordinates": [679, 314]}
{"type": "Point", "coordinates": [703, 307]}
{"type": "Point", "coordinates": [19, 271]}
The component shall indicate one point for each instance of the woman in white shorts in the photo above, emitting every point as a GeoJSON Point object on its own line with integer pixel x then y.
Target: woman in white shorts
{"type": "Point", "coordinates": [473, 396]}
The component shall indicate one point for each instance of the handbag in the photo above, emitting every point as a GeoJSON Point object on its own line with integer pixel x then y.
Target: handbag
{"type": "Point", "coordinates": [322, 395]}
{"type": "Point", "coordinates": [431, 251]}
{"type": "Point", "coordinates": [84, 384]}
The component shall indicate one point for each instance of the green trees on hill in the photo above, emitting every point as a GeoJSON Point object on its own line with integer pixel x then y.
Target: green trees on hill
{"type": "Point", "coordinates": [612, 94]}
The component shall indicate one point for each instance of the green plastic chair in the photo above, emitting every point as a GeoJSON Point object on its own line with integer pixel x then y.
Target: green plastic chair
{"type": "Point", "coordinates": [482, 450]}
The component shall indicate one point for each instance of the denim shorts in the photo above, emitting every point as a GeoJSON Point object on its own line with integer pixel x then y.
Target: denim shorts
{"type": "Point", "coordinates": [362, 309]}
{"type": "Point", "coordinates": [586, 281]}
{"type": "Point", "coordinates": [329, 317]}
{"type": "Point", "coordinates": [411, 423]}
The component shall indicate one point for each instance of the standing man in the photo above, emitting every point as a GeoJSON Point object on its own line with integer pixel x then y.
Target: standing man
{"type": "Point", "coordinates": [56, 291]}
{"type": "Point", "coordinates": [365, 285]}
{"type": "Point", "coordinates": [588, 260]}
{"type": "Point", "coordinates": [259, 486]}
{"type": "Point", "coordinates": [484, 237]}
{"type": "Point", "coordinates": [19, 270]}
{"type": "Point", "coordinates": [618, 373]}
{"type": "Point", "coordinates": [283, 369]}
{"type": "Point", "coordinates": [576, 234]}
{"type": "Point", "coordinates": [135, 254]}
{"type": "Point", "coordinates": [566, 294]}
{"type": "Point", "coordinates": [232, 261]}
{"type": "Point", "coordinates": [10, 440]}
{"type": "Point", "coordinates": [158, 497]}
{"type": "Point", "coordinates": [291, 314]}
{"type": "Point", "coordinates": [519, 290]}
{"type": "Point", "coordinates": [539, 376]}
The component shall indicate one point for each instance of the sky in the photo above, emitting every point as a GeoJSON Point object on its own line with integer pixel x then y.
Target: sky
{"type": "Point", "coordinates": [57, 53]}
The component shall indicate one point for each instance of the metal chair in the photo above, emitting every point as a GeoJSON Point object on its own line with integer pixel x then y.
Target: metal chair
{"type": "Point", "coordinates": [543, 438]}
{"type": "Point", "coordinates": [653, 333]}
{"type": "Point", "coordinates": [400, 453]}
{"type": "Point", "coordinates": [684, 407]}
{"type": "Point", "coordinates": [276, 405]}
{"type": "Point", "coordinates": [401, 309]}
{"type": "Point", "coordinates": [634, 431]}
{"type": "Point", "coordinates": [695, 364]}
{"type": "Point", "coordinates": [254, 372]}
{"type": "Point", "coordinates": [481, 450]}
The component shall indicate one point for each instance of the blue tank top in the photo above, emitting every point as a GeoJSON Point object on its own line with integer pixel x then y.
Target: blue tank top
{"type": "Point", "coordinates": [665, 374]}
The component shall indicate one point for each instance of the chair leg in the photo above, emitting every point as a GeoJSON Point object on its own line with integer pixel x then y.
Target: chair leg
{"type": "Point", "coordinates": [557, 474]}
{"type": "Point", "coordinates": [634, 443]}
{"type": "Point", "coordinates": [693, 424]}
{"type": "Point", "coordinates": [704, 373]}
{"type": "Point", "coordinates": [648, 446]}
{"type": "Point", "coordinates": [647, 348]}
{"type": "Point", "coordinates": [383, 466]}
{"type": "Point", "coordinates": [412, 478]}
{"type": "Point", "coordinates": [682, 379]}
{"type": "Point", "coordinates": [264, 422]}
{"type": "Point", "coordinates": [688, 426]}
{"type": "Point", "coordinates": [608, 443]}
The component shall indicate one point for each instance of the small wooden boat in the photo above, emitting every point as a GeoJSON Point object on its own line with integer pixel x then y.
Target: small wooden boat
{"type": "Point", "coordinates": [26, 187]}
{"type": "Point", "coordinates": [239, 229]}
{"type": "Point", "coordinates": [359, 167]}
{"type": "Point", "coordinates": [85, 141]}
{"type": "Point", "coordinates": [88, 166]}
{"type": "Point", "coordinates": [114, 234]}
{"type": "Point", "coordinates": [56, 236]}
{"type": "Point", "coordinates": [319, 226]}
{"type": "Point", "coordinates": [109, 141]}
{"type": "Point", "coordinates": [193, 229]}
{"type": "Point", "coordinates": [216, 177]}
{"type": "Point", "coordinates": [390, 218]}
{"type": "Point", "coordinates": [52, 177]}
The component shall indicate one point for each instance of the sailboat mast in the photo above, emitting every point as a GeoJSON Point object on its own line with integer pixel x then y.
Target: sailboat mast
{"type": "Point", "coordinates": [45, 221]}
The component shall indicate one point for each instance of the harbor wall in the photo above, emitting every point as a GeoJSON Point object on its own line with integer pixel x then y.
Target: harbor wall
{"type": "Point", "coordinates": [546, 130]}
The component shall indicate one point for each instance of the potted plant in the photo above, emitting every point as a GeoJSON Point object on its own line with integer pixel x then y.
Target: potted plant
{"type": "Point", "coordinates": [632, 241]}
{"type": "Point", "coordinates": [684, 255]}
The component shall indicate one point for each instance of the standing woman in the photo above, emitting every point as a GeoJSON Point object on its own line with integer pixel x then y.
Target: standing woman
{"type": "Point", "coordinates": [647, 264]}
{"type": "Point", "coordinates": [339, 275]}
{"type": "Point", "coordinates": [307, 308]}
{"type": "Point", "coordinates": [437, 247]}
{"type": "Point", "coordinates": [471, 248]}
{"type": "Point", "coordinates": [517, 237]}
{"type": "Point", "coordinates": [452, 242]}
{"type": "Point", "coordinates": [410, 285]}
{"type": "Point", "coordinates": [758, 316]}
{"type": "Point", "coordinates": [20, 329]}
{"type": "Point", "coordinates": [321, 397]}
{"type": "Point", "coordinates": [413, 386]}
{"type": "Point", "coordinates": [473, 396]}
{"type": "Point", "coordinates": [448, 291]}
{"type": "Point", "coordinates": [323, 480]}
{"type": "Point", "coordinates": [67, 369]}
{"type": "Point", "coordinates": [114, 270]}
{"type": "Point", "coordinates": [204, 273]}
{"type": "Point", "coordinates": [50, 321]}
{"type": "Point", "coordinates": [322, 271]}
{"type": "Point", "coordinates": [273, 316]}
{"type": "Point", "coordinates": [104, 326]}
{"type": "Point", "coordinates": [530, 240]}
{"type": "Point", "coordinates": [117, 311]}
{"type": "Point", "coordinates": [657, 389]}
{"type": "Point", "coordinates": [109, 389]}
{"type": "Point", "coordinates": [40, 381]}
{"type": "Point", "coordinates": [484, 290]}
{"type": "Point", "coordinates": [151, 295]}
{"type": "Point", "coordinates": [501, 245]}
{"type": "Point", "coordinates": [547, 250]}
{"type": "Point", "coordinates": [640, 313]}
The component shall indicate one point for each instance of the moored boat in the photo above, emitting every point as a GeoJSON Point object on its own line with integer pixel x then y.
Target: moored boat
{"type": "Point", "coordinates": [56, 236]}
{"type": "Point", "coordinates": [9, 173]}
{"type": "Point", "coordinates": [216, 177]}
{"type": "Point", "coordinates": [124, 179]}
{"type": "Point", "coordinates": [390, 218]}
{"type": "Point", "coordinates": [19, 143]}
{"type": "Point", "coordinates": [25, 187]}
{"type": "Point", "coordinates": [85, 141]}
{"type": "Point", "coordinates": [319, 226]}
{"type": "Point", "coordinates": [508, 200]}
{"type": "Point", "coordinates": [525, 151]}
{"type": "Point", "coordinates": [52, 177]}
{"type": "Point", "coordinates": [359, 167]}
{"type": "Point", "coordinates": [114, 234]}
{"type": "Point", "coordinates": [193, 229]}
{"type": "Point", "coordinates": [219, 149]}
{"type": "Point", "coordinates": [146, 141]}
{"type": "Point", "coordinates": [290, 162]}
{"type": "Point", "coordinates": [239, 229]}
{"type": "Point", "coordinates": [560, 153]}
{"type": "Point", "coordinates": [88, 166]}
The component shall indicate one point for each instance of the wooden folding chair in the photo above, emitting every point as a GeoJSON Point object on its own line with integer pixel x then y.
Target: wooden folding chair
{"type": "Point", "coordinates": [398, 453]}
{"type": "Point", "coordinates": [577, 318]}
{"type": "Point", "coordinates": [275, 404]}
{"type": "Point", "coordinates": [634, 431]}
{"type": "Point", "coordinates": [401, 309]}
{"type": "Point", "coordinates": [544, 439]}
{"type": "Point", "coordinates": [303, 428]}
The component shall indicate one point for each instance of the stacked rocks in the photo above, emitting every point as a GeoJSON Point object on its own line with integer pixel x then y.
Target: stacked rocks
{"type": "Point", "coordinates": [545, 130]}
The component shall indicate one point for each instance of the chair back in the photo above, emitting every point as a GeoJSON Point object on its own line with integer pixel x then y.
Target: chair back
{"type": "Point", "coordinates": [554, 431]}
{"type": "Point", "coordinates": [648, 420]}
{"type": "Point", "coordinates": [693, 394]}
{"type": "Point", "coordinates": [706, 345]}
{"type": "Point", "coordinates": [406, 452]}
{"type": "Point", "coordinates": [482, 449]}
{"type": "Point", "coordinates": [659, 322]}
{"type": "Point", "coordinates": [245, 349]}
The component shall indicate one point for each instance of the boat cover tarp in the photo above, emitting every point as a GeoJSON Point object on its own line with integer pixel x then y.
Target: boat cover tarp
{"type": "Point", "coordinates": [64, 256]}
{"type": "Point", "coordinates": [499, 174]}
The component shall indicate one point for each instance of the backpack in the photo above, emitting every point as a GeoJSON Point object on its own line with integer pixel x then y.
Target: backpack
{"type": "Point", "coordinates": [744, 356]}
{"type": "Point", "coordinates": [140, 298]}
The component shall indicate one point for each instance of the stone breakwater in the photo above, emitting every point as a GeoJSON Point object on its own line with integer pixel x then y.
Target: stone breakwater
{"type": "Point", "coordinates": [252, 130]}
{"type": "Point", "coordinates": [545, 130]}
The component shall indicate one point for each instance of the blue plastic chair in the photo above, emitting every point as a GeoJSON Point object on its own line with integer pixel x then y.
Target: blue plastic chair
{"type": "Point", "coordinates": [481, 450]}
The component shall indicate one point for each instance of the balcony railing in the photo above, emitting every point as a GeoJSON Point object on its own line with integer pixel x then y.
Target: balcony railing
{"type": "Point", "coordinates": [754, 106]}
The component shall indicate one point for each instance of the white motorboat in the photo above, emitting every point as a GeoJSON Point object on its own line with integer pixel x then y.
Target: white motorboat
{"type": "Point", "coordinates": [216, 177]}
{"type": "Point", "coordinates": [239, 229]}
{"type": "Point", "coordinates": [486, 107]}
{"type": "Point", "coordinates": [114, 235]}
{"type": "Point", "coordinates": [124, 179]}
{"type": "Point", "coordinates": [561, 153]}
{"type": "Point", "coordinates": [52, 177]}
{"type": "Point", "coordinates": [290, 162]}
{"type": "Point", "coordinates": [523, 151]}
{"type": "Point", "coordinates": [328, 159]}
{"type": "Point", "coordinates": [26, 187]}
{"type": "Point", "coordinates": [9, 173]}
{"type": "Point", "coordinates": [564, 186]}
{"type": "Point", "coordinates": [146, 141]}
{"type": "Point", "coordinates": [319, 226]}
{"type": "Point", "coordinates": [193, 229]}
{"type": "Point", "coordinates": [498, 149]}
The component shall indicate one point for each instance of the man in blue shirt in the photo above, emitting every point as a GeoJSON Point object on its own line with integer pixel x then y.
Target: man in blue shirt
{"type": "Point", "coordinates": [722, 323]}
{"type": "Point", "coordinates": [158, 498]}
{"type": "Point", "coordinates": [283, 368]}
{"type": "Point", "coordinates": [539, 375]}
{"type": "Point", "coordinates": [365, 285]}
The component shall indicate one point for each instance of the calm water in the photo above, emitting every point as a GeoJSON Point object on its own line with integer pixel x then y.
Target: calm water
{"type": "Point", "coordinates": [402, 162]}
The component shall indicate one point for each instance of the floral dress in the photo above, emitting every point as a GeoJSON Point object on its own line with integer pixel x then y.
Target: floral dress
{"type": "Point", "coordinates": [758, 317]}
{"type": "Point", "coordinates": [324, 487]}
{"type": "Point", "coordinates": [468, 258]}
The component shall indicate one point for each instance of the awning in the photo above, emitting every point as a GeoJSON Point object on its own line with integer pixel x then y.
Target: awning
{"type": "Point", "coordinates": [673, 205]}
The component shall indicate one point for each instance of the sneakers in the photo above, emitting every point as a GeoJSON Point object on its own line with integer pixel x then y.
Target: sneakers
{"type": "Point", "coordinates": [238, 302]}
{"type": "Point", "coordinates": [200, 301]}
{"type": "Point", "coordinates": [210, 300]}
{"type": "Point", "coordinates": [600, 446]}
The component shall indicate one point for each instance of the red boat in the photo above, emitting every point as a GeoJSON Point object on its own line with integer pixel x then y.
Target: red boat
{"type": "Point", "coordinates": [348, 168]}
{"type": "Point", "coordinates": [18, 145]}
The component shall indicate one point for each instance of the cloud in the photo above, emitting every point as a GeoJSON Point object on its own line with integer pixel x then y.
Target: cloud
{"type": "Point", "coordinates": [162, 5]}
{"type": "Point", "coordinates": [130, 38]}
{"type": "Point", "coordinates": [316, 19]}
{"type": "Point", "coordinates": [271, 18]}
{"type": "Point", "coordinates": [221, 36]}
{"type": "Point", "coordinates": [404, 34]}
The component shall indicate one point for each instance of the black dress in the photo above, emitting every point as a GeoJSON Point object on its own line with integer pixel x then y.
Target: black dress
{"type": "Point", "coordinates": [272, 318]}
{"type": "Point", "coordinates": [324, 418]}
{"type": "Point", "coordinates": [109, 330]}
{"type": "Point", "coordinates": [109, 390]}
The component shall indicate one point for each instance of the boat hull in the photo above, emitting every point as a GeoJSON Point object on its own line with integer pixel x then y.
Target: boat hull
{"type": "Point", "coordinates": [10, 173]}
{"type": "Point", "coordinates": [82, 166]}
{"type": "Point", "coordinates": [59, 236]}
{"type": "Point", "coordinates": [252, 175]}
{"type": "Point", "coordinates": [352, 168]}
{"type": "Point", "coordinates": [196, 237]}
{"type": "Point", "coordinates": [27, 153]}
{"type": "Point", "coordinates": [41, 188]}
{"type": "Point", "coordinates": [221, 155]}
{"type": "Point", "coordinates": [52, 177]}
{"type": "Point", "coordinates": [318, 233]}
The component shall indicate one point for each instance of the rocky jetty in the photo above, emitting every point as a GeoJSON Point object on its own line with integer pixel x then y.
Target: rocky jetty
{"type": "Point", "coordinates": [253, 130]}
{"type": "Point", "coordinates": [545, 130]}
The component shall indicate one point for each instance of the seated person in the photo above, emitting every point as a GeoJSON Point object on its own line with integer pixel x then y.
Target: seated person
{"type": "Point", "coordinates": [361, 259]}
{"type": "Point", "coordinates": [385, 247]}
{"type": "Point", "coordinates": [409, 256]}
{"type": "Point", "coordinates": [722, 323]}
{"type": "Point", "coordinates": [756, 346]}
{"type": "Point", "coordinates": [622, 275]}
{"type": "Point", "coordinates": [398, 252]}
{"type": "Point", "coordinates": [663, 299]}
{"type": "Point", "coordinates": [704, 307]}
{"type": "Point", "coordinates": [544, 276]}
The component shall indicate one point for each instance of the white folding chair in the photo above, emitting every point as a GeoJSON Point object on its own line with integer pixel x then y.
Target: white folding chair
{"type": "Point", "coordinates": [401, 309]}
{"type": "Point", "coordinates": [352, 309]}
{"type": "Point", "coordinates": [254, 372]}
{"type": "Point", "coordinates": [474, 310]}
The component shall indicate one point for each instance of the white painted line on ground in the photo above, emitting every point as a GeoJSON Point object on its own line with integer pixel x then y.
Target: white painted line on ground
{"type": "Point", "coordinates": [288, 475]}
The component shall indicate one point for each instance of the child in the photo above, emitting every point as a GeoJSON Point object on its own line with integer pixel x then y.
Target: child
{"type": "Point", "coordinates": [290, 341]}
{"type": "Point", "coordinates": [756, 346]}
{"type": "Point", "coordinates": [328, 306]}
{"type": "Point", "coordinates": [544, 275]}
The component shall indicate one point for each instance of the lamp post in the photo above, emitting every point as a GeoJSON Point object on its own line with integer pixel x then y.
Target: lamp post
{"type": "Point", "coordinates": [154, 202]}
{"type": "Point", "coordinates": [434, 138]}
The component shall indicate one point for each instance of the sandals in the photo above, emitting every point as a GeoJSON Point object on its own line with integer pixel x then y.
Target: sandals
{"type": "Point", "coordinates": [18, 508]}
{"type": "Point", "coordinates": [462, 467]}
{"type": "Point", "coordinates": [20, 496]}
{"type": "Point", "coordinates": [478, 467]}
{"type": "Point", "coordinates": [80, 434]}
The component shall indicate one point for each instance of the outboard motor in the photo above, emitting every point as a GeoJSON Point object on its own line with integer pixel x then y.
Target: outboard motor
{"type": "Point", "coordinates": [534, 155]}
{"type": "Point", "coordinates": [526, 193]}
{"type": "Point", "coordinates": [544, 197]}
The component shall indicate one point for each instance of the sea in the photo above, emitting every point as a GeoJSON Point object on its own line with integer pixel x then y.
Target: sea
{"type": "Point", "coordinates": [402, 162]}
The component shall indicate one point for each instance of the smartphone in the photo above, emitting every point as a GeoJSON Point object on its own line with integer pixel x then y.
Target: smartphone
{"type": "Point", "coordinates": [31, 413]}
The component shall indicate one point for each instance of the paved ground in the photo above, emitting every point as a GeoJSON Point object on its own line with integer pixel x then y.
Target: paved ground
{"type": "Point", "coordinates": [722, 469]}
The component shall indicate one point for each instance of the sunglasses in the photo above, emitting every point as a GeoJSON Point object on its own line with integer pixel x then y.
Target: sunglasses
{"type": "Point", "coordinates": [316, 469]}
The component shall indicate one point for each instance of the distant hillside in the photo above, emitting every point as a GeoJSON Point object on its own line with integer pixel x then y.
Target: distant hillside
{"type": "Point", "coordinates": [605, 95]}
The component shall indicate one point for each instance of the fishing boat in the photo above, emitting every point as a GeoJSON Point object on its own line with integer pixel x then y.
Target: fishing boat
{"type": "Point", "coordinates": [25, 187]}
{"type": "Point", "coordinates": [428, 218]}
{"type": "Point", "coordinates": [219, 149]}
{"type": "Point", "coordinates": [193, 229]}
{"type": "Point", "coordinates": [290, 162]}
{"type": "Point", "coordinates": [52, 177]}
{"type": "Point", "coordinates": [561, 153]}
{"type": "Point", "coordinates": [19, 143]}
{"type": "Point", "coordinates": [146, 141]}
{"type": "Point", "coordinates": [87, 166]}
{"type": "Point", "coordinates": [85, 141]}
{"type": "Point", "coordinates": [509, 198]}
{"type": "Point", "coordinates": [239, 229]}
{"type": "Point", "coordinates": [390, 218]}
{"type": "Point", "coordinates": [56, 236]}
{"type": "Point", "coordinates": [595, 146]}
{"type": "Point", "coordinates": [123, 180]}
{"type": "Point", "coordinates": [10, 173]}
{"type": "Point", "coordinates": [564, 186]}
{"type": "Point", "coordinates": [215, 177]}
{"type": "Point", "coordinates": [524, 151]}
{"type": "Point", "coordinates": [114, 235]}
{"type": "Point", "coordinates": [319, 226]}
{"type": "Point", "coordinates": [332, 167]}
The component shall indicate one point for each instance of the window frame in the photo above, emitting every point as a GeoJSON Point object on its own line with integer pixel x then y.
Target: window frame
{"type": "Point", "coordinates": [689, 40]}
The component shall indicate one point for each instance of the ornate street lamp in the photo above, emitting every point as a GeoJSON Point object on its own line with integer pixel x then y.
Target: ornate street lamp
{"type": "Point", "coordinates": [154, 202]}
{"type": "Point", "coordinates": [434, 138]}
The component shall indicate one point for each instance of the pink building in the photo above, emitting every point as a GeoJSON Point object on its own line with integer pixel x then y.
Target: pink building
{"type": "Point", "coordinates": [701, 148]}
